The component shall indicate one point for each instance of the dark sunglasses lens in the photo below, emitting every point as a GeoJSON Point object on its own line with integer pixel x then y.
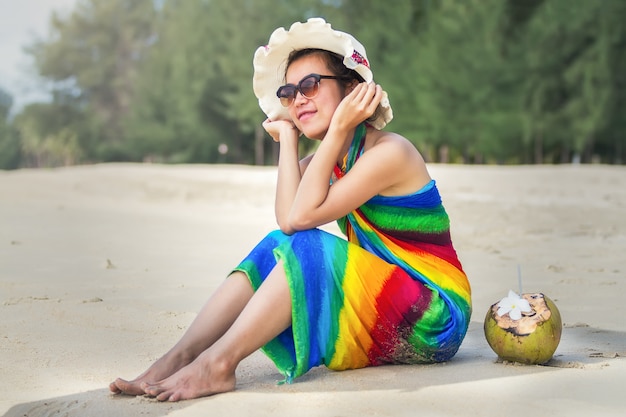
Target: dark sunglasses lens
{"type": "Point", "coordinates": [308, 87]}
{"type": "Point", "coordinates": [286, 94]}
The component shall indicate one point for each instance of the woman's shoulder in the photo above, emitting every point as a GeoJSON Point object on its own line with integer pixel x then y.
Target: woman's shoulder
{"type": "Point", "coordinates": [403, 159]}
{"type": "Point", "coordinates": [390, 142]}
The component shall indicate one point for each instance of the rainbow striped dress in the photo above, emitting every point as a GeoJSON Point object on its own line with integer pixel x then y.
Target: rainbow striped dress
{"type": "Point", "coordinates": [394, 292]}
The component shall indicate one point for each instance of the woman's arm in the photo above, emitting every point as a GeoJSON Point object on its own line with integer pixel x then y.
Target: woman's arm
{"type": "Point", "coordinates": [289, 169]}
{"type": "Point", "coordinates": [391, 166]}
{"type": "Point", "coordinates": [304, 197]}
{"type": "Point", "coordinates": [357, 106]}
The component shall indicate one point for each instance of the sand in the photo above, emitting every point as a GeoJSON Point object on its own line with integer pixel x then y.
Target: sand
{"type": "Point", "coordinates": [103, 267]}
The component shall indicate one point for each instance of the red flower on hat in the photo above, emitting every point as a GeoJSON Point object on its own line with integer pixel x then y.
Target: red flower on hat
{"type": "Point", "coordinates": [359, 59]}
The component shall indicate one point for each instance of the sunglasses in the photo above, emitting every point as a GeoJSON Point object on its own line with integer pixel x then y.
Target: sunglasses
{"type": "Point", "coordinates": [309, 86]}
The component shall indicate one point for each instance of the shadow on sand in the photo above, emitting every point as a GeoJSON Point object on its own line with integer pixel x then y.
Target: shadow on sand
{"type": "Point", "coordinates": [581, 347]}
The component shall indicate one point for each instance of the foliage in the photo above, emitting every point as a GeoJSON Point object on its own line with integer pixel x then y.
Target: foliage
{"type": "Point", "coordinates": [93, 59]}
{"type": "Point", "coordinates": [47, 136]}
{"type": "Point", "coordinates": [474, 81]}
{"type": "Point", "coordinates": [9, 144]}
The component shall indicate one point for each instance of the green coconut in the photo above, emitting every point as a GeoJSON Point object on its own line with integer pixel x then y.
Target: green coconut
{"type": "Point", "coordinates": [532, 339]}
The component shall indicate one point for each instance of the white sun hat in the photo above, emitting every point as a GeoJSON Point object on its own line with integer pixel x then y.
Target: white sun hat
{"type": "Point", "coordinates": [270, 62]}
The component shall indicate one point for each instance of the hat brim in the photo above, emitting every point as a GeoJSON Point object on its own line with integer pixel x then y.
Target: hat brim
{"type": "Point", "coordinates": [270, 64]}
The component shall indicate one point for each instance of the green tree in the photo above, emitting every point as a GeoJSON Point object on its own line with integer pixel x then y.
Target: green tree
{"type": "Point", "coordinates": [195, 91]}
{"type": "Point", "coordinates": [572, 60]}
{"type": "Point", "coordinates": [92, 58]}
{"type": "Point", "coordinates": [9, 143]}
{"type": "Point", "coordinates": [466, 87]}
{"type": "Point", "coordinates": [47, 135]}
{"type": "Point", "coordinates": [483, 81]}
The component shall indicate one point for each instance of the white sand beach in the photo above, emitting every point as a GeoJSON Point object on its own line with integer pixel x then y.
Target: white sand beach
{"type": "Point", "coordinates": [103, 267]}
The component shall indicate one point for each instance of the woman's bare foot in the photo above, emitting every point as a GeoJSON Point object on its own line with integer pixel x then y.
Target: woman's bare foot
{"type": "Point", "coordinates": [168, 365]}
{"type": "Point", "coordinates": [200, 378]}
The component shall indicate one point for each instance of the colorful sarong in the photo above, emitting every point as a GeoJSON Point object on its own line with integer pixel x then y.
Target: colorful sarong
{"type": "Point", "coordinates": [395, 292]}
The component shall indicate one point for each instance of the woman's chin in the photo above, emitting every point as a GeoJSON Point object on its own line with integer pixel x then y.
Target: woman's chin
{"type": "Point", "coordinates": [312, 133]}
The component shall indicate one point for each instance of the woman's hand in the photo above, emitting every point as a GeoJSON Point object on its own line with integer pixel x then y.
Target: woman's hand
{"type": "Point", "coordinates": [357, 106]}
{"type": "Point", "coordinates": [281, 130]}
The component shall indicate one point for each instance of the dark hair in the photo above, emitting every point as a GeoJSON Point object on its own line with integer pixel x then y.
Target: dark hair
{"type": "Point", "coordinates": [333, 61]}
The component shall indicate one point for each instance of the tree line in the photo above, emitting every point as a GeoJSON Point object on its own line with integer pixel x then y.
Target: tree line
{"type": "Point", "coordinates": [470, 81]}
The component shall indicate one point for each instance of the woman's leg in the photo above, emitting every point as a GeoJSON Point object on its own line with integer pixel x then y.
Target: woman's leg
{"type": "Point", "coordinates": [267, 314]}
{"type": "Point", "coordinates": [213, 320]}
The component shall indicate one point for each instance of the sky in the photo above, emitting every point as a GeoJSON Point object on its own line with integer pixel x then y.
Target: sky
{"type": "Point", "coordinates": [21, 21]}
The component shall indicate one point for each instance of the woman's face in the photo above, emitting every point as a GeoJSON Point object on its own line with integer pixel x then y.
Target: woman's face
{"type": "Point", "coordinates": [312, 115]}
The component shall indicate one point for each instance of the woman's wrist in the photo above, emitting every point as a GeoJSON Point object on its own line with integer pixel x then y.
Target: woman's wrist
{"type": "Point", "coordinates": [338, 135]}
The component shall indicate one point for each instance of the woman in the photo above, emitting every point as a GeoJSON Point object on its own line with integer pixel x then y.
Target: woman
{"type": "Point", "coordinates": [394, 292]}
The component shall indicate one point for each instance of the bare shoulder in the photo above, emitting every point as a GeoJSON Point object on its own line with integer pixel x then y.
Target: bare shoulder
{"type": "Point", "coordinates": [393, 143]}
{"type": "Point", "coordinates": [403, 158]}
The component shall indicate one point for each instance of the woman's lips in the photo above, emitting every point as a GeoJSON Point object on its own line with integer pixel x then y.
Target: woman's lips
{"type": "Point", "coordinates": [306, 114]}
